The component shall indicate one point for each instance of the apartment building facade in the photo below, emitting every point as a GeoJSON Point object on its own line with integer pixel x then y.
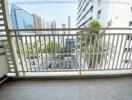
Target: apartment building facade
{"type": "Point", "coordinates": [37, 23]}
{"type": "Point", "coordinates": [112, 14]}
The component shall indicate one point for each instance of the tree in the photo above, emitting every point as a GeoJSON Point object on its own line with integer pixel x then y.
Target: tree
{"type": "Point", "coordinates": [52, 47]}
{"type": "Point", "coordinates": [93, 43]}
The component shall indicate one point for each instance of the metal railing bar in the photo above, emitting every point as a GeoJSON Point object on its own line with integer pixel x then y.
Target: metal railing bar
{"type": "Point", "coordinates": [129, 42]}
{"type": "Point", "coordinates": [63, 50]}
{"type": "Point", "coordinates": [81, 53]}
{"type": "Point", "coordinates": [49, 52]}
{"type": "Point", "coordinates": [24, 53]}
{"type": "Point", "coordinates": [57, 49]}
{"type": "Point", "coordinates": [85, 52]}
{"type": "Point", "coordinates": [28, 52]}
{"type": "Point", "coordinates": [69, 34]}
{"type": "Point", "coordinates": [41, 50]}
{"type": "Point", "coordinates": [102, 50]}
{"type": "Point", "coordinates": [129, 57]}
{"type": "Point", "coordinates": [45, 47]}
{"type": "Point", "coordinates": [71, 29]}
{"type": "Point", "coordinates": [115, 52]}
{"type": "Point", "coordinates": [90, 54]}
{"type": "Point", "coordinates": [19, 54]}
{"type": "Point", "coordinates": [123, 53]}
{"type": "Point", "coordinates": [72, 56]}
{"type": "Point", "coordinates": [78, 70]}
{"type": "Point", "coordinates": [107, 51]}
{"type": "Point", "coordinates": [109, 64]}
{"type": "Point", "coordinates": [76, 44]}
{"type": "Point", "coordinates": [118, 58]}
{"type": "Point", "coordinates": [68, 49]}
{"type": "Point", "coordinates": [54, 51]}
{"type": "Point", "coordinates": [98, 51]}
{"type": "Point", "coordinates": [93, 59]}
{"type": "Point", "coordinates": [36, 47]}
{"type": "Point", "coordinates": [33, 61]}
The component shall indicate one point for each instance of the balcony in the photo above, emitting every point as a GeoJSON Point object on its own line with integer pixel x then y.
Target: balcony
{"type": "Point", "coordinates": [73, 89]}
{"type": "Point", "coordinates": [88, 66]}
{"type": "Point", "coordinates": [68, 54]}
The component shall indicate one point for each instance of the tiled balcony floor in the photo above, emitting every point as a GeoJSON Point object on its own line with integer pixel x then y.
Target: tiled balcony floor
{"type": "Point", "coordinates": [85, 89]}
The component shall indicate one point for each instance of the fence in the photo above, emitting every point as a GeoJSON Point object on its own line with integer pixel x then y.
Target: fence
{"type": "Point", "coordinates": [82, 50]}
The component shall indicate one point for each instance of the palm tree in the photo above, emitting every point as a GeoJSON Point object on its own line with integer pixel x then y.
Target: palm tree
{"type": "Point", "coordinates": [93, 44]}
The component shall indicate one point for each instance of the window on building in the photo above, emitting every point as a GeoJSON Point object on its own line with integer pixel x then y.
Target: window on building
{"type": "Point", "coordinates": [91, 9]}
{"type": "Point", "coordinates": [130, 23]}
{"type": "Point", "coordinates": [99, 2]}
{"type": "Point", "coordinates": [90, 18]}
{"type": "Point", "coordinates": [131, 8]}
{"type": "Point", "coordinates": [129, 37]}
{"type": "Point", "coordinates": [91, 0]}
{"type": "Point", "coordinates": [127, 50]}
{"type": "Point", "coordinates": [99, 14]}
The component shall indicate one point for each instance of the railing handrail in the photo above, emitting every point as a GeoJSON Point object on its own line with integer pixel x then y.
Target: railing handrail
{"type": "Point", "coordinates": [71, 29]}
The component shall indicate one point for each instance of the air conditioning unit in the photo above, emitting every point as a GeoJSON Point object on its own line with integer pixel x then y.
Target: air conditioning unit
{"type": "Point", "coordinates": [3, 63]}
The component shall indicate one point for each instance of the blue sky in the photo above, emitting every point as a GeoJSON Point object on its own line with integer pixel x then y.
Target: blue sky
{"type": "Point", "coordinates": [52, 11]}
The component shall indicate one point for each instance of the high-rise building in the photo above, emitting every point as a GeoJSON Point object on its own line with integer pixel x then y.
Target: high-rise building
{"type": "Point", "coordinates": [111, 13]}
{"type": "Point", "coordinates": [63, 38]}
{"type": "Point", "coordinates": [38, 23]}
{"type": "Point", "coordinates": [69, 24]}
{"type": "Point", "coordinates": [47, 26]}
{"type": "Point", "coordinates": [21, 19]}
{"type": "Point", "coordinates": [63, 26]}
{"type": "Point", "coordinates": [53, 26]}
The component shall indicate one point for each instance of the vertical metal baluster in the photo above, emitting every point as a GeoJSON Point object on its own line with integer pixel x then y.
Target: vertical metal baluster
{"type": "Point", "coordinates": [45, 43]}
{"type": "Point", "coordinates": [81, 52]}
{"type": "Point", "coordinates": [89, 53]}
{"type": "Point", "coordinates": [55, 53]}
{"type": "Point", "coordinates": [41, 52]}
{"type": "Point", "coordinates": [119, 52]}
{"type": "Point", "coordinates": [50, 51]}
{"type": "Point", "coordinates": [129, 57]}
{"type": "Point", "coordinates": [85, 49]}
{"type": "Point", "coordinates": [93, 54]}
{"type": "Point", "coordinates": [107, 52]}
{"type": "Point", "coordinates": [123, 53]}
{"type": "Point", "coordinates": [28, 51]}
{"type": "Point", "coordinates": [115, 51]}
{"type": "Point", "coordinates": [58, 51]}
{"type": "Point", "coordinates": [36, 46]}
{"type": "Point", "coordinates": [102, 53]}
{"type": "Point", "coordinates": [72, 56]}
{"type": "Point", "coordinates": [98, 51]}
{"type": "Point", "coordinates": [23, 47]}
{"type": "Point", "coordinates": [19, 53]}
{"type": "Point", "coordinates": [109, 62]}
{"type": "Point", "coordinates": [127, 52]}
{"type": "Point", "coordinates": [32, 52]}
{"type": "Point", "coordinates": [68, 51]}
{"type": "Point", "coordinates": [77, 55]}
{"type": "Point", "coordinates": [62, 62]}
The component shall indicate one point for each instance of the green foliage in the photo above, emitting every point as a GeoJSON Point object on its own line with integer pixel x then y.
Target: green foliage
{"type": "Point", "coordinates": [94, 24]}
{"type": "Point", "coordinates": [52, 47]}
{"type": "Point", "coordinates": [93, 27]}
{"type": "Point", "coordinates": [94, 42]}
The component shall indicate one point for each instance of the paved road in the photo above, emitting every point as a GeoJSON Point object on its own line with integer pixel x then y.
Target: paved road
{"type": "Point", "coordinates": [49, 63]}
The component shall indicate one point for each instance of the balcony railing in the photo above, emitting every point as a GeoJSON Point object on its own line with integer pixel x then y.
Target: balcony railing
{"type": "Point", "coordinates": [54, 50]}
